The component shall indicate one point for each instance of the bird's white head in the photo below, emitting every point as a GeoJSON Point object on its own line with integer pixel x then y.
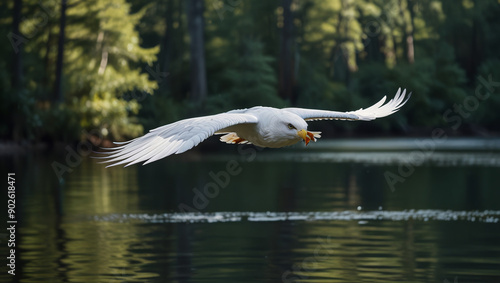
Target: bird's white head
{"type": "Point", "coordinates": [287, 128]}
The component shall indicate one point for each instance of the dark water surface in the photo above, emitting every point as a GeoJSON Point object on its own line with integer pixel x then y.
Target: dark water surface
{"type": "Point", "coordinates": [313, 215]}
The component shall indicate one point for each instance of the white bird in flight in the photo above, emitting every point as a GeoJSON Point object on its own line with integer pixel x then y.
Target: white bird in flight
{"type": "Point", "coordinates": [261, 126]}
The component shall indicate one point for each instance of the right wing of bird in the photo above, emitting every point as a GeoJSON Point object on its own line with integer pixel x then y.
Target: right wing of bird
{"type": "Point", "coordinates": [373, 112]}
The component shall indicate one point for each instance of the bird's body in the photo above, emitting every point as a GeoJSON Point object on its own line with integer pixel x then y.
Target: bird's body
{"type": "Point", "coordinates": [261, 126]}
{"type": "Point", "coordinates": [262, 133]}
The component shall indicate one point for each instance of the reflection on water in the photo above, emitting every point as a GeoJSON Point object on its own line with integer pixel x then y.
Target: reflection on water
{"type": "Point", "coordinates": [393, 158]}
{"type": "Point", "coordinates": [285, 217]}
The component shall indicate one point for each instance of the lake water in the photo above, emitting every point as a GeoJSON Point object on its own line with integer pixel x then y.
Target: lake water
{"type": "Point", "coordinates": [332, 212]}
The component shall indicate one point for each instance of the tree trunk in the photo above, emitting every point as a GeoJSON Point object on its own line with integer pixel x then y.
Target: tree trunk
{"type": "Point", "coordinates": [341, 66]}
{"type": "Point", "coordinates": [197, 50]}
{"type": "Point", "coordinates": [286, 79]}
{"type": "Point", "coordinates": [407, 30]}
{"type": "Point", "coordinates": [17, 67]}
{"type": "Point", "coordinates": [167, 46]}
{"type": "Point", "coordinates": [17, 70]}
{"type": "Point", "coordinates": [58, 97]}
{"type": "Point", "coordinates": [393, 52]}
{"type": "Point", "coordinates": [47, 62]}
{"type": "Point", "coordinates": [409, 39]}
{"type": "Point", "coordinates": [476, 52]}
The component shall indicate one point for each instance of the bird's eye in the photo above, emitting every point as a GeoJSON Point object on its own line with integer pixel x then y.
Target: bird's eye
{"type": "Point", "coordinates": [291, 127]}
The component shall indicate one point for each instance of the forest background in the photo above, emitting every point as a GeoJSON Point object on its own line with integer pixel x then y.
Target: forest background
{"type": "Point", "coordinates": [73, 69]}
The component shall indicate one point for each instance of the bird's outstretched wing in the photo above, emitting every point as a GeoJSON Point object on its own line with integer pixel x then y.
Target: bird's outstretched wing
{"type": "Point", "coordinates": [173, 138]}
{"type": "Point", "coordinates": [375, 111]}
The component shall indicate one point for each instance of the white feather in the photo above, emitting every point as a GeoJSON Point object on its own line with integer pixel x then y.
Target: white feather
{"type": "Point", "coordinates": [262, 126]}
{"type": "Point", "coordinates": [173, 138]}
{"type": "Point", "coordinates": [378, 110]}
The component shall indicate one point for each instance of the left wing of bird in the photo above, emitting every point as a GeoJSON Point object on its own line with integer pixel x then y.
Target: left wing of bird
{"type": "Point", "coordinates": [373, 112]}
{"type": "Point", "coordinates": [173, 138]}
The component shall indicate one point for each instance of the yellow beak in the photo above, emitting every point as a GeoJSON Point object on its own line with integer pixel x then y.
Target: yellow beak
{"type": "Point", "coordinates": [306, 136]}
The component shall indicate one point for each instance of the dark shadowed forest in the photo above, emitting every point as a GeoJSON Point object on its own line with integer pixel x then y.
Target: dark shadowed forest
{"type": "Point", "coordinates": [411, 197]}
{"type": "Point", "coordinates": [72, 69]}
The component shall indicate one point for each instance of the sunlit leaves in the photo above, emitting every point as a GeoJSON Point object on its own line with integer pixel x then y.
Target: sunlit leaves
{"type": "Point", "coordinates": [104, 61]}
{"type": "Point", "coordinates": [105, 111]}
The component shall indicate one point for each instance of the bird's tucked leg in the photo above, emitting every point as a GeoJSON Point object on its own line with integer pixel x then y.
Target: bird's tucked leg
{"type": "Point", "coordinates": [232, 138]}
{"type": "Point", "coordinates": [315, 135]}
{"type": "Point", "coordinates": [308, 136]}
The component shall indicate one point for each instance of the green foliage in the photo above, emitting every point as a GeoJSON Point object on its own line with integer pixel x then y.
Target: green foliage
{"type": "Point", "coordinates": [111, 116]}
{"type": "Point", "coordinates": [345, 55]}
{"type": "Point", "coordinates": [158, 110]}
{"type": "Point", "coordinates": [315, 86]}
{"type": "Point", "coordinates": [114, 67]}
{"type": "Point", "coordinates": [17, 113]}
{"type": "Point", "coordinates": [103, 61]}
{"type": "Point", "coordinates": [60, 123]}
{"type": "Point", "coordinates": [487, 112]}
{"type": "Point", "coordinates": [434, 83]}
{"type": "Point", "coordinates": [249, 81]}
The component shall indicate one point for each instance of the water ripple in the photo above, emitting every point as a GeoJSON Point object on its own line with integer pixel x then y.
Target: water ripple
{"type": "Point", "coordinates": [486, 216]}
